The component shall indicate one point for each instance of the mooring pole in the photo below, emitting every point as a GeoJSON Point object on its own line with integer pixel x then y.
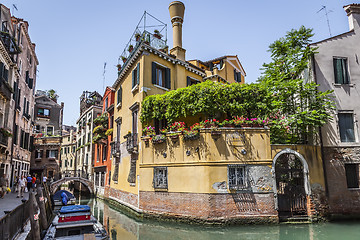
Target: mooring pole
{"type": "Point", "coordinates": [34, 216]}
{"type": "Point", "coordinates": [41, 201]}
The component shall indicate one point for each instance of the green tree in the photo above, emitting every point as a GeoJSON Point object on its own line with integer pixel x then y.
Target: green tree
{"type": "Point", "coordinates": [295, 105]}
{"type": "Point", "coordinates": [52, 94]}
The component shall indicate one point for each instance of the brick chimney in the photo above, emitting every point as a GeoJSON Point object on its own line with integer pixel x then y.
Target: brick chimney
{"type": "Point", "coordinates": [177, 10]}
{"type": "Point", "coordinates": [353, 13]}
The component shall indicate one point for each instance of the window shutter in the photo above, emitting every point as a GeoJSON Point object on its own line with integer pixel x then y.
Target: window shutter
{"type": "Point", "coordinates": [15, 91]}
{"type": "Point", "coordinates": [188, 81]}
{"type": "Point", "coordinates": [56, 153]}
{"type": "Point", "coordinates": [235, 76]}
{"type": "Point", "coordinates": [153, 73]}
{"type": "Point", "coordinates": [6, 74]}
{"type": "Point", "coordinates": [138, 73]}
{"type": "Point", "coordinates": [31, 82]}
{"type": "Point", "coordinates": [119, 95]}
{"type": "Point", "coordinates": [1, 69]}
{"type": "Point", "coordinates": [167, 78]}
{"type": "Point", "coordinates": [47, 153]}
{"type": "Point", "coordinates": [133, 79]}
{"type": "Point", "coordinates": [41, 153]}
{"type": "Point", "coordinates": [27, 77]}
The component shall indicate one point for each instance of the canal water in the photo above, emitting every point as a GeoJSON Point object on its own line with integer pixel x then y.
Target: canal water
{"type": "Point", "coordinates": [120, 226]}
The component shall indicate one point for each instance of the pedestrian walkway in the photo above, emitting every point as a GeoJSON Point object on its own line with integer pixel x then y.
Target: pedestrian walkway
{"type": "Point", "coordinates": [10, 202]}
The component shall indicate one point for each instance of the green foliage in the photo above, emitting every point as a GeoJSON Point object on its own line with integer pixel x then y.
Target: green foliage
{"type": "Point", "coordinates": [102, 120]}
{"type": "Point", "coordinates": [283, 97]}
{"type": "Point", "coordinates": [109, 132]}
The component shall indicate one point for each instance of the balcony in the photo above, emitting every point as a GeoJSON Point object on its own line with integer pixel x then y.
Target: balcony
{"type": "Point", "coordinates": [3, 139]}
{"type": "Point", "coordinates": [115, 149]}
{"type": "Point", "coordinates": [9, 42]}
{"type": "Point", "coordinates": [131, 142]}
{"type": "Point", "coordinates": [5, 88]}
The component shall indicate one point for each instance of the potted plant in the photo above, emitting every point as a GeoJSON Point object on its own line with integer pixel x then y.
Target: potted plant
{"type": "Point", "coordinates": [227, 123]}
{"type": "Point", "coordinates": [157, 34]}
{"type": "Point", "coordinates": [130, 48]}
{"type": "Point", "coordinates": [137, 37]}
{"type": "Point", "coordinates": [118, 67]}
{"type": "Point", "coordinates": [123, 59]}
{"type": "Point", "coordinates": [174, 135]}
{"type": "Point", "coordinates": [191, 135]}
{"type": "Point", "coordinates": [157, 139]}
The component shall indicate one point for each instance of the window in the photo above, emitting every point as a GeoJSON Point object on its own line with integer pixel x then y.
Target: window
{"type": "Point", "coordinates": [52, 153]}
{"type": "Point", "coordinates": [346, 127]}
{"type": "Point", "coordinates": [161, 76]}
{"type": "Point", "coordinates": [191, 81]}
{"type": "Point", "coordinates": [50, 130]}
{"type": "Point", "coordinates": [38, 154]}
{"type": "Point", "coordinates": [237, 76]}
{"type": "Point", "coordinates": [160, 177]}
{"type": "Point", "coordinates": [4, 73]}
{"type": "Point", "coordinates": [236, 176]}
{"type": "Point", "coordinates": [352, 175]}
{"type": "Point", "coordinates": [106, 103]}
{"type": "Point", "coordinates": [43, 112]}
{"type": "Point", "coordinates": [136, 76]}
{"type": "Point", "coordinates": [341, 70]}
{"type": "Point", "coordinates": [104, 153]}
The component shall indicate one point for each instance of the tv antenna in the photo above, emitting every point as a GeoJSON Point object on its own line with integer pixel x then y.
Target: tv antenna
{"type": "Point", "coordinates": [327, 18]}
{"type": "Point", "coordinates": [104, 76]}
{"type": "Point", "coordinates": [14, 7]}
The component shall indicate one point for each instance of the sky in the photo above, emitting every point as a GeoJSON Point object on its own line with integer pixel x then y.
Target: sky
{"type": "Point", "coordinates": [74, 38]}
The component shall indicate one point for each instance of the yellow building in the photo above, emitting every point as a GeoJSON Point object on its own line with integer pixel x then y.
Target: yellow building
{"type": "Point", "coordinates": [68, 154]}
{"type": "Point", "coordinates": [227, 176]}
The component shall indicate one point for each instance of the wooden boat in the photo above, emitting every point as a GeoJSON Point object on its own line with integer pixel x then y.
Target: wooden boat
{"type": "Point", "coordinates": [75, 222]}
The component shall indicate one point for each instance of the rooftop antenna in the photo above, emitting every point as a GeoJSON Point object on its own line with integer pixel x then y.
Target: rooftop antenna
{"type": "Point", "coordinates": [14, 7]}
{"type": "Point", "coordinates": [104, 76]}
{"type": "Point", "coordinates": [327, 18]}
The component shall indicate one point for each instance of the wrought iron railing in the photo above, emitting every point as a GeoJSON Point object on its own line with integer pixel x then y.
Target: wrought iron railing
{"type": "Point", "coordinates": [132, 142]}
{"type": "Point", "coordinates": [3, 139]}
{"type": "Point", "coordinates": [115, 148]}
{"type": "Point", "coordinates": [13, 222]}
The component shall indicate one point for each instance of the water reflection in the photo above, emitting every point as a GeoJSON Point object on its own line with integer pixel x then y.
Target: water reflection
{"type": "Point", "coordinates": [120, 226]}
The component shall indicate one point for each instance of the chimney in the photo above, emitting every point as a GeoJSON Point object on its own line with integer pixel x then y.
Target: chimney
{"type": "Point", "coordinates": [177, 10]}
{"type": "Point", "coordinates": [353, 12]}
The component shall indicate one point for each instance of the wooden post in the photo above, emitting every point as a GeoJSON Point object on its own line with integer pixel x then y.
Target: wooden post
{"type": "Point", "coordinates": [41, 201]}
{"type": "Point", "coordinates": [34, 217]}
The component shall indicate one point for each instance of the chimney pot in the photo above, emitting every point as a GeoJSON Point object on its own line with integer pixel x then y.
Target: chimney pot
{"type": "Point", "coordinates": [176, 10]}
{"type": "Point", "coordinates": [353, 13]}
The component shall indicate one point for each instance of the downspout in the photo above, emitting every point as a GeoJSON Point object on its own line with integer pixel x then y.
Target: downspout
{"type": "Point", "coordinates": [320, 133]}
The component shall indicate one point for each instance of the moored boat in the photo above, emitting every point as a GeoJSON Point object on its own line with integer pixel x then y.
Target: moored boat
{"type": "Point", "coordinates": [58, 201]}
{"type": "Point", "coordinates": [75, 222]}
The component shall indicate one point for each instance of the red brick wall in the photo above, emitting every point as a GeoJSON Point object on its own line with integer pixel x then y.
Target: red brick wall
{"type": "Point", "coordinates": [208, 206]}
{"type": "Point", "coordinates": [341, 199]}
{"type": "Point", "coordinates": [123, 197]}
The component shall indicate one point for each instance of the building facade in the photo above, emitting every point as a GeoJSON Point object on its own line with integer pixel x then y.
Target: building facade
{"type": "Point", "coordinates": [68, 154]}
{"type": "Point", "coordinates": [20, 67]}
{"type": "Point", "coordinates": [336, 67]}
{"type": "Point", "coordinates": [90, 108]}
{"type": "Point", "coordinates": [103, 138]}
{"type": "Point", "coordinates": [45, 159]}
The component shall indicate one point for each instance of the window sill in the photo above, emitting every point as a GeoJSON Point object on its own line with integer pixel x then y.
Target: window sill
{"type": "Point", "coordinates": [118, 105]}
{"type": "Point", "coordinates": [160, 189]}
{"type": "Point", "coordinates": [135, 88]}
{"type": "Point", "coordinates": [132, 184]}
{"type": "Point", "coordinates": [354, 189]}
{"type": "Point", "coordinates": [161, 87]}
{"type": "Point", "coordinates": [344, 85]}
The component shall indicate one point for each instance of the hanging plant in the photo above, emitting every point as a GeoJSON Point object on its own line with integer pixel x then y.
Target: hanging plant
{"type": "Point", "coordinates": [130, 48]}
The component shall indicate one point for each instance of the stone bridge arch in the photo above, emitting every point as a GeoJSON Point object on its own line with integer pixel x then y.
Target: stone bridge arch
{"type": "Point", "coordinates": [55, 185]}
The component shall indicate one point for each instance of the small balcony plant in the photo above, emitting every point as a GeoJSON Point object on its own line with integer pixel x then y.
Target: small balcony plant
{"type": "Point", "coordinates": [157, 34]}
{"type": "Point", "coordinates": [157, 139]}
{"type": "Point", "coordinates": [130, 48]}
{"type": "Point", "coordinates": [137, 37]}
{"type": "Point", "coordinates": [118, 67]}
{"type": "Point", "coordinates": [191, 135]}
{"type": "Point", "coordinates": [123, 59]}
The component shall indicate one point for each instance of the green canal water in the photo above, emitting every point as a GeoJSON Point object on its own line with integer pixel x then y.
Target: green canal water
{"type": "Point", "coordinates": [121, 226]}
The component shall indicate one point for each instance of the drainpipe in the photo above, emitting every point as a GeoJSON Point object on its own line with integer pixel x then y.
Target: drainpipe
{"type": "Point", "coordinates": [320, 133]}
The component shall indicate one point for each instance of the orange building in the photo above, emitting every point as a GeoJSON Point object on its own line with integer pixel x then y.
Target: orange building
{"type": "Point", "coordinates": [102, 138]}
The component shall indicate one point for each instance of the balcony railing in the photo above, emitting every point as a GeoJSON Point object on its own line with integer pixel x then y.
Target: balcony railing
{"type": "Point", "coordinates": [115, 148]}
{"type": "Point", "coordinates": [3, 139]}
{"type": "Point", "coordinates": [132, 142]}
{"type": "Point", "coordinates": [9, 42]}
{"type": "Point", "coordinates": [5, 88]}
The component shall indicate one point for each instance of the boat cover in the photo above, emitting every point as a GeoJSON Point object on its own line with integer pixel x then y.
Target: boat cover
{"type": "Point", "coordinates": [74, 208]}
{"type": "Point", "coordinates": [57, 195]}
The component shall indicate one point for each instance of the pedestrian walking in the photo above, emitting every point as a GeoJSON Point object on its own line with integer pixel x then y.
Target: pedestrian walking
{"type": "Point", "coordinates": [3, 185]}
{"type": "Point", "coordinates": [29, 183]}
{"type": "Point", "coordinates": [16, 181]}
{"type": "Point", "coordinates": [21, 186]}
{"type": "Point", "coordinates": [44, 179]}
{"type": "Point", "coordinates": [33, 183]}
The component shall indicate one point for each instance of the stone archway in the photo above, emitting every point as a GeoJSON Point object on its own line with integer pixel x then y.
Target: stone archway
{"type": "Point", "coordinates": [291, 183]}
{"type": "Point", "coordinates": [54, 186]}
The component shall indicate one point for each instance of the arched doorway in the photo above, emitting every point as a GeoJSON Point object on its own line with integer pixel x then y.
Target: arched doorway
{"type": "Point", "coordinates": [291, 184]}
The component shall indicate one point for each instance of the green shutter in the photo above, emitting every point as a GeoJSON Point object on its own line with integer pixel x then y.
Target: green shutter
{"type": "Point", "coordinates": [235, 76]}
{"type": "Point", "coordinates": [153, 73]}
{"type": "Point", "coordinates": [188, 81]}
{"type": "Point", "coordinates": [1, 69]}
{"type": "Point", "coordinates": [167, 78]}
{"type": "Point", "coordinates": [138, 73]}
{"type": "Point", "coordinates": [6, 74]}
{"type": "Point", "coordinates": [133, 78]}
{"type": "Point", "coordinates": [119, 95]}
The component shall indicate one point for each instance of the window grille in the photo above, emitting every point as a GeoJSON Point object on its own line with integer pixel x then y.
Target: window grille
{"type": "Point", "coordinates": [160, 178]}
{"type": "Point", "coordinates": [236, 177]}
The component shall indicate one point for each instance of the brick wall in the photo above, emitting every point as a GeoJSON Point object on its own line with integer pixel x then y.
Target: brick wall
{"type": "Point", "coordinates": [122, 197]}
{"type": "Point", "coordinates": [210, 206]}
{"type": "Point", "coordinates": [341, 200]}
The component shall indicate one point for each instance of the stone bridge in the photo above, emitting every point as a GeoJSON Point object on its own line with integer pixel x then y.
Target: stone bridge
{"type": "Point", "coordinates": [55, 185]}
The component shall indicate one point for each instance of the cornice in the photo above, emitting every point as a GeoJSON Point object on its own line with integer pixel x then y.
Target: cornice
{"type": "Point", "coordinates": [30, 43]}
{"type": "Point", "coordinates": [146, 48]}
